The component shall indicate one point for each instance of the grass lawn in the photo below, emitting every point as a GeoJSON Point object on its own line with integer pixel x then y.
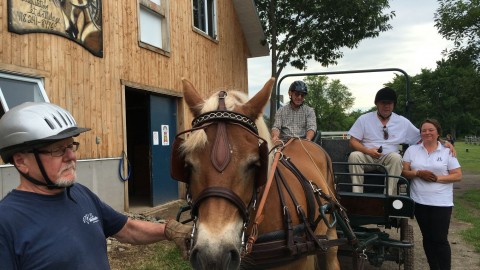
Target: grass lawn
{"type": "Point", "coordinates": [467, 209]}
{"type": "Point", "coordinates": [467, 206]}
{"type": "Point", "coordinates": [469, 157]}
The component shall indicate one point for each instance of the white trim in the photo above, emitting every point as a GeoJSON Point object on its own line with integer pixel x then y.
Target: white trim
{"type": "Point", "coordinates": [37, 81]}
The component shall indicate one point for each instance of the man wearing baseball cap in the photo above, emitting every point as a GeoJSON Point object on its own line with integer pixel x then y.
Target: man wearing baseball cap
{"type": "Point", "coordinates": [375, 138]}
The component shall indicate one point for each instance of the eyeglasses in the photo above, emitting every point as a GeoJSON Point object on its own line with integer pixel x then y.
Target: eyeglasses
{"type": "Point", "coordinates": [59, 151]}
{"type": "Point", "coordinates": [299, 94]}
{"type": "Point", "coordinates": [385, 133]}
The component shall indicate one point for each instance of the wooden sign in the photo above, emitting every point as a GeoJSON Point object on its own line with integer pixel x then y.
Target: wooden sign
{"type": "Point", "coordinates": [78, 20]}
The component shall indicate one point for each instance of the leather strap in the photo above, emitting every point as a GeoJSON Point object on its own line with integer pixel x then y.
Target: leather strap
{"type": "Point", "coordinates": [222, 193]}
{"type": "Point", "coordinates": [259, 216]}
{"type": "Point", "coordinates": [220, 155]}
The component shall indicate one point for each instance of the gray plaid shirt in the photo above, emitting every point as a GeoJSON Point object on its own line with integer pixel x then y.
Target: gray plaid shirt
{"type": "Point", "coordinates": [295, 122]}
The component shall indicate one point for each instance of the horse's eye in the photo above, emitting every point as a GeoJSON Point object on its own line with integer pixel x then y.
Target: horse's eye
{"type": "Point", "coordinates": [253, 166]}
{"type": "Point", "coordinates": [188, 170]}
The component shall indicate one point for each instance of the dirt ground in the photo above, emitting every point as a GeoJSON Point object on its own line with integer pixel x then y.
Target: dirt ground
{"type": "Point", "coordinates": [463, 256]}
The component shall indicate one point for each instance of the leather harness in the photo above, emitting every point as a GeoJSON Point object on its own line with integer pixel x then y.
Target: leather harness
{"type": "Point", "coordinates": [274, 248]}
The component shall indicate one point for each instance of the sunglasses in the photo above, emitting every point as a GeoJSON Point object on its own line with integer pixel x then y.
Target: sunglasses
{"type": "Point", "coordinates": [296, 94]}
{"type": "Point", "coordinates": [385, 133]}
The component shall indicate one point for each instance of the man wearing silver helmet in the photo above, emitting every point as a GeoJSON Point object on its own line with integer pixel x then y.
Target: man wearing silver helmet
{"type": "Point", "coordinates": [49, 221]}
{"type": "Point", "coordinates": [295, 119]}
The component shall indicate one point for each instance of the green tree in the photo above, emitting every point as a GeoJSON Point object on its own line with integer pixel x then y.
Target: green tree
{"type": "Point", "coordinates": [459, 21]}
{"type": "Point", "coordinates": [302, 30]}
{"type": "Point", "coordinates": [450, 94]}
{"type": "Point", "coordinates": [330, 100]}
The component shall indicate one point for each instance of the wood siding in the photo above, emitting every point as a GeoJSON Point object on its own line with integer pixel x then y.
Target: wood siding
{"type": "Point", "coordinates": [91, 87]}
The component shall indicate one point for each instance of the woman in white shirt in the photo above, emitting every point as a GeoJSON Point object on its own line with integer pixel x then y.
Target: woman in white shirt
{"type": "Point", "coordinates": [432, 171]}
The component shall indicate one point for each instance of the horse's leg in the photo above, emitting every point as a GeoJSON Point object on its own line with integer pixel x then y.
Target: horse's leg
{"type": "Point", "coordinates": [327, 260]}
{"type": "Point", "coordinates": [331, 256]}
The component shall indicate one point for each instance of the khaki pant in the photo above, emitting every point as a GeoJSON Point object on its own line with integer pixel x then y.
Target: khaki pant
{"type": "Point", "coordinates": [392, 162]}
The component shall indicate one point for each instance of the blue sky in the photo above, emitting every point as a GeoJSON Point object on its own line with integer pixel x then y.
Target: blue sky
{"type": "Point", "coordinates": [411, 45]}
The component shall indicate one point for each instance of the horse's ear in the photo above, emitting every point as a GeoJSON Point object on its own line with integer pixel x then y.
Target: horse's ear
{"type": "Point", "coordinates": [254, 107]}
{"type": "Point", "coordinates": [192, 98]}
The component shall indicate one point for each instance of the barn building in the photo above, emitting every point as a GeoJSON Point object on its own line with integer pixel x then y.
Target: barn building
{"type": "Point", "coordinates": [117, 67]}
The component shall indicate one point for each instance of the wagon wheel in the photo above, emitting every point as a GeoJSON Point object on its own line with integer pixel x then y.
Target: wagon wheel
{"type": "Point", "coordinates": [406, 234]}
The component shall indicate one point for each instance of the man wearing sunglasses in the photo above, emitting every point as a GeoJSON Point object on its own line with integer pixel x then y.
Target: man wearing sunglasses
{"type": "Point", "coordinates": [295, 119]}
{"type": "Point", "coordinates": [49, 221]}
{"type": "Point", "coordinates": [375, 138]}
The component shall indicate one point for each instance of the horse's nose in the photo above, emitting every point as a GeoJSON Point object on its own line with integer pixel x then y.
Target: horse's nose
{"type": "Point", "coordinates": [202, 258]}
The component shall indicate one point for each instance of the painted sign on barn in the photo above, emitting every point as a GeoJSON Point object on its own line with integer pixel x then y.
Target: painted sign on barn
{"type": "Point", "coordinates": [78, 20]}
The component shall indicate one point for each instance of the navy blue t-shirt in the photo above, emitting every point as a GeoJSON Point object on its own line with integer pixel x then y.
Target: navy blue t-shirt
{"type": "Point", "coordinates": [53, 232]}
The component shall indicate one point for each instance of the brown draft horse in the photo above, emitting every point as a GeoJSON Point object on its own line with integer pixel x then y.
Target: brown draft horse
{"type": "Point", "coordinates": [224, 164]}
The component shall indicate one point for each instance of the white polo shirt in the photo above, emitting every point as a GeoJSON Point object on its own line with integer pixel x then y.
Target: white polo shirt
{"type": "Point", "coordinates": [440, 161]}
{"type": "Point", "coordinates": [369, 131]}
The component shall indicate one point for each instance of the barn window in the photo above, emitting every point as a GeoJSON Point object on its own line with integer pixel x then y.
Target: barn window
{"type": "Point", "coordinates": [205, 17]}
{"type": "Point", "coordinates": [15, 90]}
{"type": "Point", "coordinates": [154, 25]}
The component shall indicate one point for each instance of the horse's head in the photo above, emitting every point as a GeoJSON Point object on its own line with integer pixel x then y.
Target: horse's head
{"type": "Point", "coordinates": [223, 161]}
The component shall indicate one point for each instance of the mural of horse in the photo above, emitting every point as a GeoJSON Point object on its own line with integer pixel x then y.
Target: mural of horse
{"type": "Point", "coordinates": [224, 160]}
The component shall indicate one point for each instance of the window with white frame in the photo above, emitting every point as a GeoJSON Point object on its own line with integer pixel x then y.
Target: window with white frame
{"type": "Point", "coordinates": [154, 25]}
{"type": "Point", "coordinates": [16, 89]}
{"type": "Point", "coordinates": [205, 16]}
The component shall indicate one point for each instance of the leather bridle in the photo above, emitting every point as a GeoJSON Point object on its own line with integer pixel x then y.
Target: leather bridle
{"type": "Point", "coordinates": [220, 158]}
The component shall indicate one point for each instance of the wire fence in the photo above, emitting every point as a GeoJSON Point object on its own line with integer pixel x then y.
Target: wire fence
{"type": "Point", "coordinates": [472, 140]}
{"type": "Point", "coordinates": [335, 135]}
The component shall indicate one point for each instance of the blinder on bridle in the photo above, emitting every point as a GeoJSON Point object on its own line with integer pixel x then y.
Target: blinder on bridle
{"type": "Point", "coordinates": [220, 150]}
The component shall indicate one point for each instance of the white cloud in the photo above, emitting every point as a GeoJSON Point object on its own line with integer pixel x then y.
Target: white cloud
{"type": "Point", "coordinates": [413, 44]}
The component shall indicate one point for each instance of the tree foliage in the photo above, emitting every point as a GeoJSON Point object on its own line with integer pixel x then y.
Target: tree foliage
{"type": "Point", "coordinates": [459, 21]}
{"type": "Point", "coordinates": [450, 94]}
{"type": "Point", "coordinates": [331, 100]}
{"type": "Point", "coordinates": [302, 30]}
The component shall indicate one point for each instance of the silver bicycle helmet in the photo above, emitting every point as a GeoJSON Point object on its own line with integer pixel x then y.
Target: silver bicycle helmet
{"type": "Point", "coordinates": [34, 124]}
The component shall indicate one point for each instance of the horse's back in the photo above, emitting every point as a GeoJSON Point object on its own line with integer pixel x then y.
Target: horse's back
{"type": "Point", "coordinates": [311, 160]}
{"type": "Point", "coordinates": [311, 163]}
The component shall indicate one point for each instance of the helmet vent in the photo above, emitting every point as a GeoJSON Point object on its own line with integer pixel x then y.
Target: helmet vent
{"type": "Point", "coordinates": [71, 121]}
{"type": "Point", "coordinates": [63, 118]}
{"type": "Point", "coordinates": [58, 122]}
{"type": "Point", "coordinates": [49, 123]}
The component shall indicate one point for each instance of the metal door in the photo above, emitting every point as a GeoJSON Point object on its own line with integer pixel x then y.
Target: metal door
{"type": "Point", "coordinates": [163, 127]}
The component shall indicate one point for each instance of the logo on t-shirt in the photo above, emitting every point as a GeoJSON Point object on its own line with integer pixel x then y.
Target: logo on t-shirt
{"type": "Point", "coordinates": [439, 159]}
{"type": "Point", "coordinates": [90, 218]}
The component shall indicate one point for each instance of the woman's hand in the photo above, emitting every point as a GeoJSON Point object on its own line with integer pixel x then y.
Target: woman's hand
{"type": "Point", "coordinates": [426, 175]}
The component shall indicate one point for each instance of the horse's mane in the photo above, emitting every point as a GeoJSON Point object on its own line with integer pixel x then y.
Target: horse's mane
{"type": "Point", "coordinates": [198, 138]}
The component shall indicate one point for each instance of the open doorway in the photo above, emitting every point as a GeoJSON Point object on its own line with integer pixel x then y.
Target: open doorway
{"type": "Point", "coordinates": [137, 111]}
{"type": "Point", "coordinates": [151, 123]}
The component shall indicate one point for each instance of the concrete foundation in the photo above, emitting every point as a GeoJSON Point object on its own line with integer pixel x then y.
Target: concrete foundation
{"type": "Point", "coordinates": [99, 175]}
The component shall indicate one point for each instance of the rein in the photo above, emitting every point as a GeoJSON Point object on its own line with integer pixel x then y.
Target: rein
{"type": "Point", "coordinates": [294, 241]}
{"type": "Point", "coordinates": [259, 215]}
{"type": "Point", "coordinates": [311, 191]}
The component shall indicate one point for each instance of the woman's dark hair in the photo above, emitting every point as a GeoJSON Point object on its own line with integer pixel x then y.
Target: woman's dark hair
{"type": "Point", "coordinates": [435, 123]}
